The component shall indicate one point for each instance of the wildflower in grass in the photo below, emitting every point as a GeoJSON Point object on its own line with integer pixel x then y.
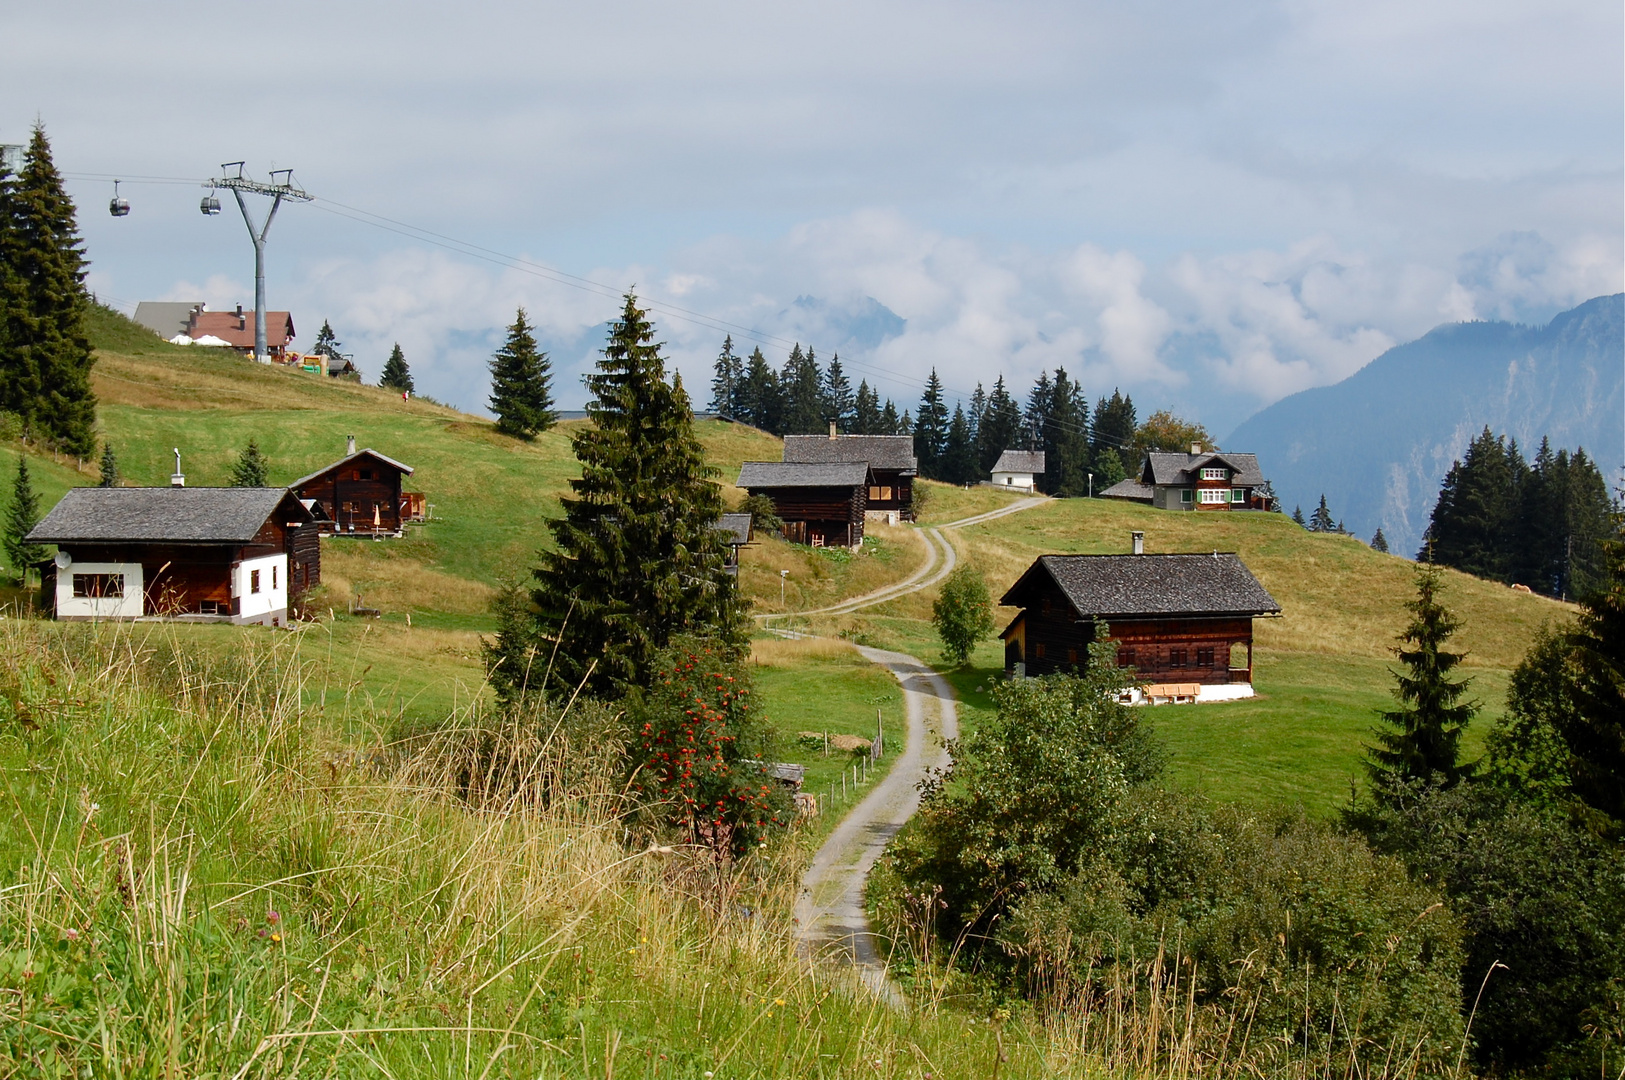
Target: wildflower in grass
{"type": "Point", "coordinates": [273, 917]}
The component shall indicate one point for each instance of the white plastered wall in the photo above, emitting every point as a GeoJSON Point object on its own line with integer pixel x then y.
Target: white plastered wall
{"type": "Point", "coordinates": [272, 597]}
{"type": "Point", "coordinates": [126, 606]}
{"type": "Point", "coordinates": [1013, 480]}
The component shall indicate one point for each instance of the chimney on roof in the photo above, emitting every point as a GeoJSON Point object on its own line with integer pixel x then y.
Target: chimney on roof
{"type": "Point", "coordinates": [349, 446]}
{"type": "Point", "coordinates": [832, 429]}
{"type": "Point", "coordinates": [178, 478]}
{"type": "Point", "coordinates": [1196, 448]}
{"type": "Point", "coordinates": [1138, 539]}
{"type": "Point", "coordinates": [242, 323]}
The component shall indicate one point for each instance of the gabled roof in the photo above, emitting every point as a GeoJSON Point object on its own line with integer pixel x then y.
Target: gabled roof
{"type": "Point", "coordinates": [339, 464]}
{"type": "Point", "coordinates": [785, 474]}
{"type": "Point", "coordinates": [171, 515]}
{"type": "Point", "coordinates": [1180, 469]}
{"type": "Point", "coordinates": [1125, 586]}
{"type": "Point", "coordinates": [736, 526]}
{"type": "Point", "coordinates": [166, 318]}
{"type": "Point", "coordinates": [879, 451]}
{"type": "Point", "coordinates": [1020, 461]}
{"type": "Point", "coordinates": [1130, 489]}
{"type": "Point", "coordinates": [238, 330]}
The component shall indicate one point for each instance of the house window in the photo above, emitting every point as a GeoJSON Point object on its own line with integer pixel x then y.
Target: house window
{"type": "Point", "coordinates": [273, 579]}
{"type": "Point", "coordinates": [1184, 495]}
{"type": "Point", "coordinates": [253, 581]}
{"type": "Point", "coordinates": [1071, 655]}
{"type": "Point", "coordinates": [1038, 650]}
{"type": "Point", "coordinates": [363, 474]}
{"type": "Point", "coordinates": [1177, 657]}
{"type": "Point", "coordinates": [1125, 657]}
{"type": "Point", "coordinates": [880, 494]}
{"type": "Point", "coordinates": [98, 586]}
{"type": "Point", "coordinates": [1215, 496]}
{"type": "Point", "coordinates": [1204, 658]}
{"type": "Point", "coordinates": [1215, 474]}
{"type": "Point", "coordinates": [1238, 495]}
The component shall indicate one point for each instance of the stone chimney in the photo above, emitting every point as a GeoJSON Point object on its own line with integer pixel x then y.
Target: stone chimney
{"type": "Point", "coordinates": [178, 478]}
{"type": "Point", "coordinates": [832, 429]}
{"type": "Point", "coordinates": [1137, 538]}
{"type": "Point", "coordinates": [1196, 448]}
{"type": "Point", "coordinates": [349, 445]}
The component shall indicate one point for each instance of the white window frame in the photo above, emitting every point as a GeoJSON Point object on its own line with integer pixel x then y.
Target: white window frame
{"type": "Point", "coordinates": [1215, 474]}
{"type": "Point", "coordinates": [1238, 495]}
{"type": "Point", "coordinates": [1215, 496]}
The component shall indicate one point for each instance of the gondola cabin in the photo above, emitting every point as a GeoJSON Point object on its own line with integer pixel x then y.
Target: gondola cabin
{"type": "Point", "coordinates": [360, 495]}
{"type": "Point", "coordinates": [1184, 623]}
{"type": "Point", "coordinates": [239, 555]}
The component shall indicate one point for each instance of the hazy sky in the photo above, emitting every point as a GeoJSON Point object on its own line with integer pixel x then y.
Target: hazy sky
{"type": "Point", "coordinates": [1209, 205]}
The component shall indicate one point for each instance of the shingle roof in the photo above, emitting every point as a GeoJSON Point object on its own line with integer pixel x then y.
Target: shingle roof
{"type": "Point", "coordinates": [1129, 489]}
{"type": "Point", "coordinates": [880, 451]}
{"type": "Point", "coordinates": [737, 526]}
{"type": "Point", "coordinates": [160, 515]}
{"type": "Point", "coordinates": [1020, 461]}
{"type": "Point", "coordinates": [1118, 586]}
{"type": "Point", "coordinates": [782, 474]}
{"type": "Point", "coordinates": [369, 452]}
{"type": "Point", "coordinates": [1180, 469]}
{"type": "Point", "coordinates": [238, 331]}
{"type": "Point", "coordinates": [166, 318]}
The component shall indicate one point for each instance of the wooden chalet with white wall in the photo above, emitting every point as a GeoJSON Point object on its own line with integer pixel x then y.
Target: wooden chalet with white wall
{"type": "Point", "coordinates": [1199, 480]}
{"type": "Point", "coordinates": [361, 494]}
{"type": "Point", "coordinates": [240, 555]}
{"type": "Point", "coordinates": [820, 504]}
{"type": "Point", "coordinates": [1184, 622]}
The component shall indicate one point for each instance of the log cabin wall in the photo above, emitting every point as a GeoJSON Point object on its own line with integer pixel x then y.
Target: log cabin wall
{"type": "Point", "coordinates": [891, 489]}
{"type": "Point", "coordinates": [180, 579]}
{"type": "Point", "coordinates": [1183, 650]}
{"type": "Point", "coordinates": [304, 546]}
{"type": "Point", "coordinates": [833, 513]}
{"type": "Point", "coordinates": [350, 493]}
{"type": "Point", "coordinates": [1054, 639]}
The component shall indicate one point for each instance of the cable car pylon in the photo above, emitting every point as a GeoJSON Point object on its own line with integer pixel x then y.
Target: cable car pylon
{"type": "Point", "coordinates": [282, 190]}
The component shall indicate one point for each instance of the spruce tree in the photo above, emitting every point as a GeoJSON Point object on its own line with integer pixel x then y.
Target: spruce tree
{"type": "Point", "coordinates": [1114, 424]}
{"type": "Point", "coordinates": [1594, 731]}
{"type": "Point", "coordinates": [252, 468]}
{"type": "Point", "coordinates": [1108, 469]}
{"type": "Point", "coordinates": [1036, 414]}
{"type": "Point", "coordinates": [1421, 739]}
{"type": "Point", "coordinates": [890, 423]}
{"type": "Point", "coordinates": [21, 517]}
{"type": "Point", "coordinates": [801, 384]}
{"type": "Point", "coordinates": [760, 402]}
{"type": "Point", "coordinates": [1297, 516]}
{"type": "Point", "coordinates": [521, 384]}
{"type": "Point", "coordinates": [327, 342]}
{"type": "Point", "coordinates": [1379, 542]}
{"type": "Point", "coordinates": [839, 404]}
{"type": "Point", "coordinates": [958, 455]}
{"type": "Point", "coordinates": [1474, 521]}
{"type": "Point", "coordinates": [1065, 442]}
{"type": "Point", "coordinates": [1321, 520]}
{"type": "Point", "coordinates": [727, 379]}
{"type": "Point", "coordinates": [45, 355]}
{"type": "Point", "coordinates": [396, 376]}
{"type": "Point", "coordinates": [1000, 429]}
{"type": "Point", "coordinates": [110, 475]}
{"type": "Point", "coordinates": [974, 415]}
{"type": "Point", "coordinates": [931, 429]}
{"type": "Point", "coordinates": [866, 410]}
{"type": "Point", "coordinates": [638, 557]}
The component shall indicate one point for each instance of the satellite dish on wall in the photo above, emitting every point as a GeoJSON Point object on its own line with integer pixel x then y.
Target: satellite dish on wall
{"type": "Point", "coordinates": [63, 560]}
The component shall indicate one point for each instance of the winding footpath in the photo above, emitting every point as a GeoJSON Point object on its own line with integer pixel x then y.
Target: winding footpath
{"type": "Point", "coordinates": [831, 920]}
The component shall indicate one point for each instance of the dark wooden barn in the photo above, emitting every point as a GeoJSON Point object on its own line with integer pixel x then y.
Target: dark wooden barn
{"type": "Point", "coordinates": [1183, 622]}
{"type": "Point", "coordinates": [821, 505]}
{"type": "Point", "coordinates": [242, 555]}
{"type": "Point", "coordinates": [360, 495]}
{"type": "Point", "coordinates": [891, 462]}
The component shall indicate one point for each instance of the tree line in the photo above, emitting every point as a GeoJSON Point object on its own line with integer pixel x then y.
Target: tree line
{"type": "Point", "coordinates": [45, 353]}
{"type": "Point", "coordinates": [1539, 523]}
{"type": "Point", "coordinates": [803, 397]}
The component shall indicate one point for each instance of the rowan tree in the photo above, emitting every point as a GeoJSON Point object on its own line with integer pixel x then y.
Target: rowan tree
{"type": "Point", "coordinates": [962, 614]}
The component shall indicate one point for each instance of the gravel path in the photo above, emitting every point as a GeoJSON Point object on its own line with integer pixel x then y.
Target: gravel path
{"type": "Point", "coordinates": [831, 919]}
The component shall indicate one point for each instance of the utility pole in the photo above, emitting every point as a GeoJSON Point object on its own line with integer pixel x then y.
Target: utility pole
{"type": "Point", "coordinates": [278, 190]}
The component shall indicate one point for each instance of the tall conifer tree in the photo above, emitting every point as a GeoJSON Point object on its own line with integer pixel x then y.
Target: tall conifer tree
{"type": "Point", "coordinates": [727, 380]}
{"type": "Point", "coordinates": [839, 404]}
{"type": "Point", "coordinates": [1114, 424]}
{"type": "Point", "coordinates": [958, 452]}
{"type": "Point", "coordinates": [109, 477]}
{"type": "Point", "coordinates": [866, 410]}
{"type": "Point", "coordinates": [1321, 520]}
{"type": "Point", "coordinates": [396, 375]}
{"type": "Point", "coordinates": [639, 559]}
{"type": "Point", "coordinates": [22, 514]}
{"type": "Point", "coordinates": [760, 402]}
{"type": "Point", "coordinates": [801, 384]}
{"type": "Point", "coordinates": [931, 429]}
{"type": "Point", "coordinates": [521, 384]}
{"type": "Point", "coordinates": [891, 423]}
{"type": "Point", "coordinates": [252, 469]}
{"type": "Point", "coordinates": [1421, 739]}
{"type": "Point", "coordinates": [45, 355]}
{"type": "Point", "coordinates": [1000, 428]}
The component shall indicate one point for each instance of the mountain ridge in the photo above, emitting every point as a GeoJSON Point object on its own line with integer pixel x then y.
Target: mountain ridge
{"type": "Point", "coordinates": [1407, 415]}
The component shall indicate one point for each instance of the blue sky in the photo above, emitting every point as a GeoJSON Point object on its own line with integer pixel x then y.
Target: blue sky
{"type": "Point", "coordinates": [1210, 206]}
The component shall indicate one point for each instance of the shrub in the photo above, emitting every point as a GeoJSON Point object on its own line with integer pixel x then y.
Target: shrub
{"type": "Point", "coordinates": [763, 514]}
{"type": "Point", "coordinates": [962, 614]}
